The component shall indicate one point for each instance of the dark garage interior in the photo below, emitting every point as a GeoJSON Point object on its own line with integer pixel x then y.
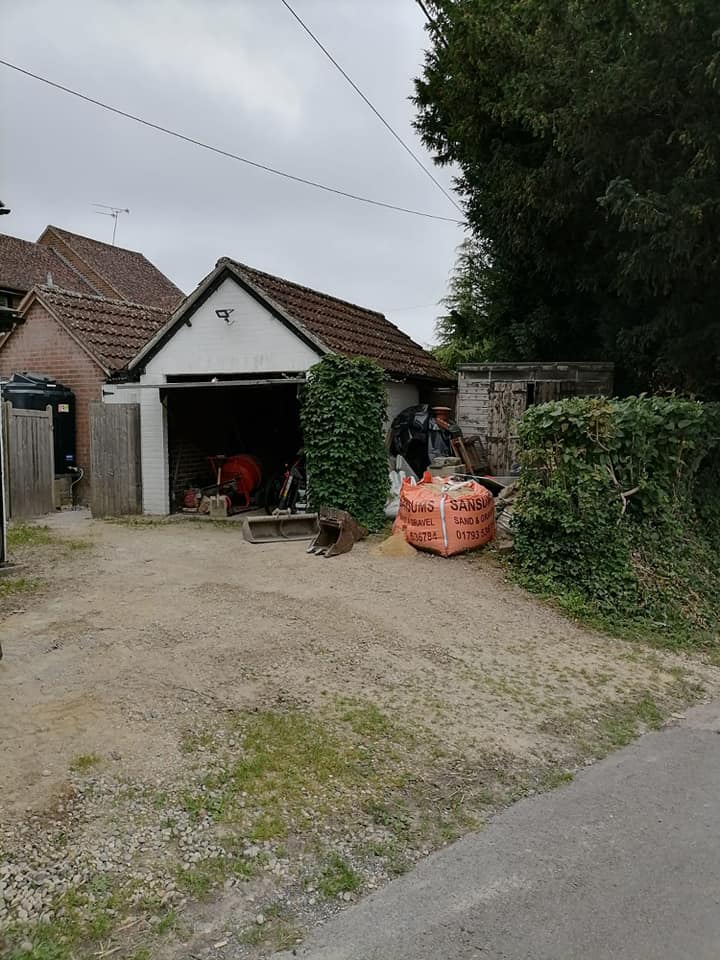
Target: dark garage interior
{"type": "Point", "coordinates": [262, 421]}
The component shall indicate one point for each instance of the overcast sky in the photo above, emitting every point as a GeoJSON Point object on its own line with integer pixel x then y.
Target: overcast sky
{"type": "Point", "coordinates": [242, 75]}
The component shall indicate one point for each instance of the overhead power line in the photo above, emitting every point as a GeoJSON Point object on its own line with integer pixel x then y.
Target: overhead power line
{"type": "Point", "coordinates": [426, 12]}
{"type": "Point", "coordinates": [226, 153]}
{"type": "Point", "coordinates": [374, 109]}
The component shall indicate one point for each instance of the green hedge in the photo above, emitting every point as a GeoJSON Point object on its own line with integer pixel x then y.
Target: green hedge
{"type": "Point", "coordinates": [343, 414]}
{"type": "Point", "coordinates": [619, 507]}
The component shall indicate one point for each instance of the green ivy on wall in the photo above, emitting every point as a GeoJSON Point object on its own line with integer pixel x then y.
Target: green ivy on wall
{"type": "Point", "coordinates": [618, 511]}
{"type": "Point", "coordinates": [343, 413]}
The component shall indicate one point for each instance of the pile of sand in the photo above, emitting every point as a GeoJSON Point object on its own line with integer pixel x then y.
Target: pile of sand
{"type": "Point", "coordinates": [396, 546]}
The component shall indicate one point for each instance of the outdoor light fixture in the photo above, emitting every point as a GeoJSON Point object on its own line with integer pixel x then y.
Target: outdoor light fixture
{"type": "Point", "coordinates": [224, 314]}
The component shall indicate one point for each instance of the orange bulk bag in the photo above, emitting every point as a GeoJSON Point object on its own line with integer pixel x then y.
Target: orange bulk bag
{"type": "Point", "coordinates": [445, 517]}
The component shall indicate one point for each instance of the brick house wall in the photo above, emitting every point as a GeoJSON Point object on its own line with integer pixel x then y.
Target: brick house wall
{"type": "Point", "coordinates": [41, 346]}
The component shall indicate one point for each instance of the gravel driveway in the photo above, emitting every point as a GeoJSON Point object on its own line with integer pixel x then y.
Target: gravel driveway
{"type": "Point", "coordinates": [209, 746]}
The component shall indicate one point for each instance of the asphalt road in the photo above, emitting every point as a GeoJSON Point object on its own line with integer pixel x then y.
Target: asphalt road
{"type": "Point", "coordinates": [621, 864]}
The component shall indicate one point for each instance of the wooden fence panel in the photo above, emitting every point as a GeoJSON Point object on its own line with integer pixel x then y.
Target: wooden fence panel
{"type": "Point", "coordinates": [30, 461]}
{"type": "Point", "coordinates": [116, 485]}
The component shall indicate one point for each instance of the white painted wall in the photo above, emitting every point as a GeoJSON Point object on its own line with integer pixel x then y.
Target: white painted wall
{"type": "Point", "coordinates": [253, 342]}
{"type": "Point", "coordinates": [115, 393]}
{"type": "Point", "coordinates": [154, 449]}
{"type": "Point", "coordinates": [401, 395]}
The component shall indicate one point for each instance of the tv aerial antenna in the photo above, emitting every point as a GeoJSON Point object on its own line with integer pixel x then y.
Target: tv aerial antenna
{"type": "Point", "coordinates": [114, 212]}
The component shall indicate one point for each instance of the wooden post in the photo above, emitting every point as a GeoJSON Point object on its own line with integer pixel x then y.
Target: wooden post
{"type": "Point", "coordinates": [3, 480]}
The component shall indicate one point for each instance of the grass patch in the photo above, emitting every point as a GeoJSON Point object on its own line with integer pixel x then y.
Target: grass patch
{"type": "Point", "coordinates": [337, 876]}
{"type": "Point", "coordinates": [28, 535]}
{"type": "Point", "coordinates": [624, 724]}
{"type": "Point", "coordinates": [556, 778]}
{"type": "Point", "coordinates": [85, 762]}
{"type": "Point", "coordinates": [287, 762]}
{"type": "Point", "coordinates": [195, 742]}
{"type": "Point", "coordinates": [89, 915]}
{"type": "Point", "coordinates": [169, 921]}
{"type": "Point", "coordinates": [203, 877]}
{"type": "Point", "coordinates": [71, 545]}
{"type": "Point", "coordinates": [275, 932]}
{"type": "Point", "coordinates": [16, 586]}
{"type": "Point", "coordinates": [365, 719]}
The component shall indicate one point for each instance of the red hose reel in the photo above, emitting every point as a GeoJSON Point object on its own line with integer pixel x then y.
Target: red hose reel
{"type": "Point", "coordinates": [241, 472]}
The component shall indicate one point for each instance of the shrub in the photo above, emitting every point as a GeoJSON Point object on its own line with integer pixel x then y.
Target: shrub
{"type": "Point", "coordinates": [343, 412]}
{"type": "Point", "coordinates": [619, 510]}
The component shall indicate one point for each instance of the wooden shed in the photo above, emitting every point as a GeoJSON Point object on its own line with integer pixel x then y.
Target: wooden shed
{"type": "Point", "coordinates": [493, 396]}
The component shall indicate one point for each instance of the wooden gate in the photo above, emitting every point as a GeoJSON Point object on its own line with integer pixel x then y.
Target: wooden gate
{"type": "Point", "coordinates": [508, 402]}
{"type": "Point", "coordinates": [29, 461]}
{"type": "Point", "coordinates": [116, 485]}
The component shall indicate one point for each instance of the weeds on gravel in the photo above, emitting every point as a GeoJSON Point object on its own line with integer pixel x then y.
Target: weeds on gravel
{"type": "Point", "coordinates": [28, 535]}
{"type": "Point", "coordinates": [623, 724]}
{"type": "Point", "coordinates": [337, 876]}
{"type": "Point", "coordinates": [12, 586]}
{"type": "Point", "coordinates": [274, 933]}
{"type": "Point", "coordinates": [333, 800]}
{"type": "Point", "coordinates": [286, 762]}
{"type": "Point", "coordinates": [82, 918]}
{"type": "Point", "coordinates": [30, 538]}
{"type": "Point", "coordinates": [84, 762]}
{"type": "Point", "coordinates": [201, 879]}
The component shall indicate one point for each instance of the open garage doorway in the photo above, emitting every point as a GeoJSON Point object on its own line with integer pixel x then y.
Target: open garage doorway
{"type": "Point", "coordinates": [258, 421]}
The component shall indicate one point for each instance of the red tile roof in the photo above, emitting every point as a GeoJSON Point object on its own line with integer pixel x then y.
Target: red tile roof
{"type": "Point", "coordinates": [24, 264]}
{"type": "Point", "coordinates": [345, 327]}
{"type": "Point", "coordinates": [112, 330]}
{"type": "Point", "coordinates": [128, 272]}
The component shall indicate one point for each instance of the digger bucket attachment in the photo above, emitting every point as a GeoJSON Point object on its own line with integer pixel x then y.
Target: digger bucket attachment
{"type": "Point", "coordinates": [292, 526]}
{"type": "Point", "coordinates": [338, 532]}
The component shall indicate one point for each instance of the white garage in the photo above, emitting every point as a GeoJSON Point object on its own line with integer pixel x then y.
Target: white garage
{"type": "Point", "coordinates": [224, 373]}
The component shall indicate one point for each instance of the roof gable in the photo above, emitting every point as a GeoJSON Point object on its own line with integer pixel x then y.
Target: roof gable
{"type": "Point", "coordinates": [232, 332]}
{"type": "Point", "coordinates": [320, 320]}
{"type": "Point", "coordinates": [112, 331]}
{"type": "Point", "coordinates": [129, 275]}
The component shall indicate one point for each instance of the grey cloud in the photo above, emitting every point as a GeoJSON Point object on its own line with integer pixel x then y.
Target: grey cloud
{"type": "Point", "coordinates": [244, 76]}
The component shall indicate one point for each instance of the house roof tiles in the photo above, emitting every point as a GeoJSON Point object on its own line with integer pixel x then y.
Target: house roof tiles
{"type": "Point", "coordinates": [24, 264]}
{"type": "Point", "coordinates": [345, 327]}
{"type": "Point", "coordinates": [128, 272]}
{"type": "Point", "coordinates": [112, 330]}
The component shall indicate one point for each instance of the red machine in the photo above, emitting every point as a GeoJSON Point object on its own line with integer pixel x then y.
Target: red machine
{"type": "Point", "coordinates": [241, 474]}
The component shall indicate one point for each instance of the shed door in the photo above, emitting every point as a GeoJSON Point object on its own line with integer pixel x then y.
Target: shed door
{"type": "Point", "coordinates": [508, 402]}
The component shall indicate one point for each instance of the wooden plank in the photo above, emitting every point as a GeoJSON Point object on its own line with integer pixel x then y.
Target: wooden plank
{"type": "Point", "coordinates": [115, 459]}
{"type": "Point", "coordinates": [508, 402]}
{"type": "Point", "coordinates": [29, 461]}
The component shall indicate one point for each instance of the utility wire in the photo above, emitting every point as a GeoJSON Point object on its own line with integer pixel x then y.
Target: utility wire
{"type": "Point", "coordinates": [426, 12]}
{"type": "Point", "coordinates": [226, 153]}
{"type": "Point", "coordinates": [434, 26]}
{"type": "Point", "coordinates": [374, 109]}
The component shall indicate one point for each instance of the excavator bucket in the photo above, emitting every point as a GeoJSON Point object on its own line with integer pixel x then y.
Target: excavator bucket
{"type": "Point", "coordinates": [338, 532]}
{"type": "Point", "coordinates": [279, 527]}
